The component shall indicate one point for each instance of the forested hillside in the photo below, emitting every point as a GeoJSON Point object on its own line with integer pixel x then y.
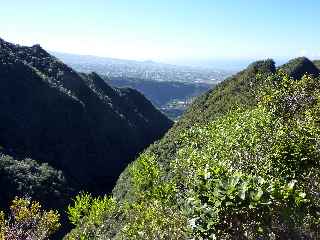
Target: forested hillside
{"type": "Point", "coordinates": [242, 163]}
{"type": "Point", "coordinates": [80, 132]}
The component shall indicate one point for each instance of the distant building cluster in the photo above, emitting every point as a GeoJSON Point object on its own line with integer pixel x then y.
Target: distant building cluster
{"type": "Point", "coordinates": [156, 72]}
{"type": "Point", "coordinates": [148, 70]}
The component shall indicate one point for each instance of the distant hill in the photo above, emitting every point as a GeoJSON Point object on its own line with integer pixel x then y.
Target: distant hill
{"type": "Point", "coordinates": [172, 98]}
{"type": "Point", "coordinates": [299, 66]}
{"type": "Point", "coordinates": [73, 122]}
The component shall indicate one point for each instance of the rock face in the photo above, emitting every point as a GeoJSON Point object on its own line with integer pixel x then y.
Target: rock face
{"type": "Point", "coordinates": [74, 122]}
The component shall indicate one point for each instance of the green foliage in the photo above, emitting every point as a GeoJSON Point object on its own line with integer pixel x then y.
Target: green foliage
{"type": "Point", "coordinates": [239, 90]}
{"type": "Point", "coordinates": [106, 219]}
{"type": "Point", "coordinates": [80, 208]}
{"type": "Point", "coordinates": [92, 208]}
{"type": "Point", "coordinates": [29, 178]}
{"type": "Point", "coordinates": [90, 212]}
{"type": "Point", "coordinates": [153, 220]}
{"type": "Point", "coordinates": [252, 173]}
{"type": "Point", "coordinates": [28, 221]}
{"type": "Point", "coordinates": [146, 174]}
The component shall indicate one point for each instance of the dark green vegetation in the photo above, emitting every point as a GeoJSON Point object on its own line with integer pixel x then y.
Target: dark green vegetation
{"type": "Point", "coordinates": [81, 132]}
{"type": "Point", "coordinates": [242, 163]}
{"type": "Point", "coordinates": [76, 123]}
{"type": "Point", "coordinates": [299, 66]}
{"type": "Point", "coordinates": [27, 177]}
{"type": "Point", "coordinates": [164, 94]}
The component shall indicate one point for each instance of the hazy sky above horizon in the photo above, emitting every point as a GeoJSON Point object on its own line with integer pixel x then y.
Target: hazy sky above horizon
{"type": "Point", "coordinates": [166, 30]}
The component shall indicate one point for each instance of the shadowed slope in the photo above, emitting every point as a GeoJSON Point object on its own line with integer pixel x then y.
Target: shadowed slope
{"type": "Point", "coordinates": [76, 123]}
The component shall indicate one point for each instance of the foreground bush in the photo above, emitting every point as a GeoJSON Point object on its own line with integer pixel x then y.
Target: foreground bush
{"type": "Point", "coordinates": [27, 221]}
{"type": "Point", "coordinates": [249, 174]}
{"type": "Point", "coordinates": [103, 218]}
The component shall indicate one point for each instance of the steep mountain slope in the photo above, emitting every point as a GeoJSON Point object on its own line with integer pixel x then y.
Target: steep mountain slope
{"type": "Point", "coordinates": [238, 90]}
{"type": "Point", "coordinates": [74, 122]}
{"type": "Point", "coordinates": [243, 163]}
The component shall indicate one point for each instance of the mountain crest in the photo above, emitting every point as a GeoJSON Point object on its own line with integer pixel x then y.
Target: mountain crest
{"type": "Point", "coordinates": [262, 66]}
{"type": "Point", "coordinates": [38, 50]}
{"type": "Point", "coordinates": [300, 66]}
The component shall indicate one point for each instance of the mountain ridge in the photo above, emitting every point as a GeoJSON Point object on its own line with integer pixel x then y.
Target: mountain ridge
{"type": "Point", "coordinates": [75, 122]}
{"type": "Point", "coordinates": [239, 90]}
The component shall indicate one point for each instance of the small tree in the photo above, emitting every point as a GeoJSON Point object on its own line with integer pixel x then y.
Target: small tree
{"type": "Point", "coordinates": [27, 221]}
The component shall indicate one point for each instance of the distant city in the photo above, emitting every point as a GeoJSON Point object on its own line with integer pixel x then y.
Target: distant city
{"type": "Point", "coordinates": [171, 88]}
{"type": "Point", "coordinates": [148, 70]}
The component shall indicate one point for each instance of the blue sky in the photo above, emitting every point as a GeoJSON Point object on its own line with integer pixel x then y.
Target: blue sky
{"type": "Point", "coordinates": [167, 30]}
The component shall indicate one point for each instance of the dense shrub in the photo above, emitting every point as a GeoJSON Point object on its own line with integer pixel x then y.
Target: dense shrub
{"type": "Point", "coordinates": [27, 177]}
{"type": "Point", "coordinates": [27, 221]}
{"type": "Point", "coordinates": [252, 173]}
{"type": "Point", "coordinates": [104, 218]}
